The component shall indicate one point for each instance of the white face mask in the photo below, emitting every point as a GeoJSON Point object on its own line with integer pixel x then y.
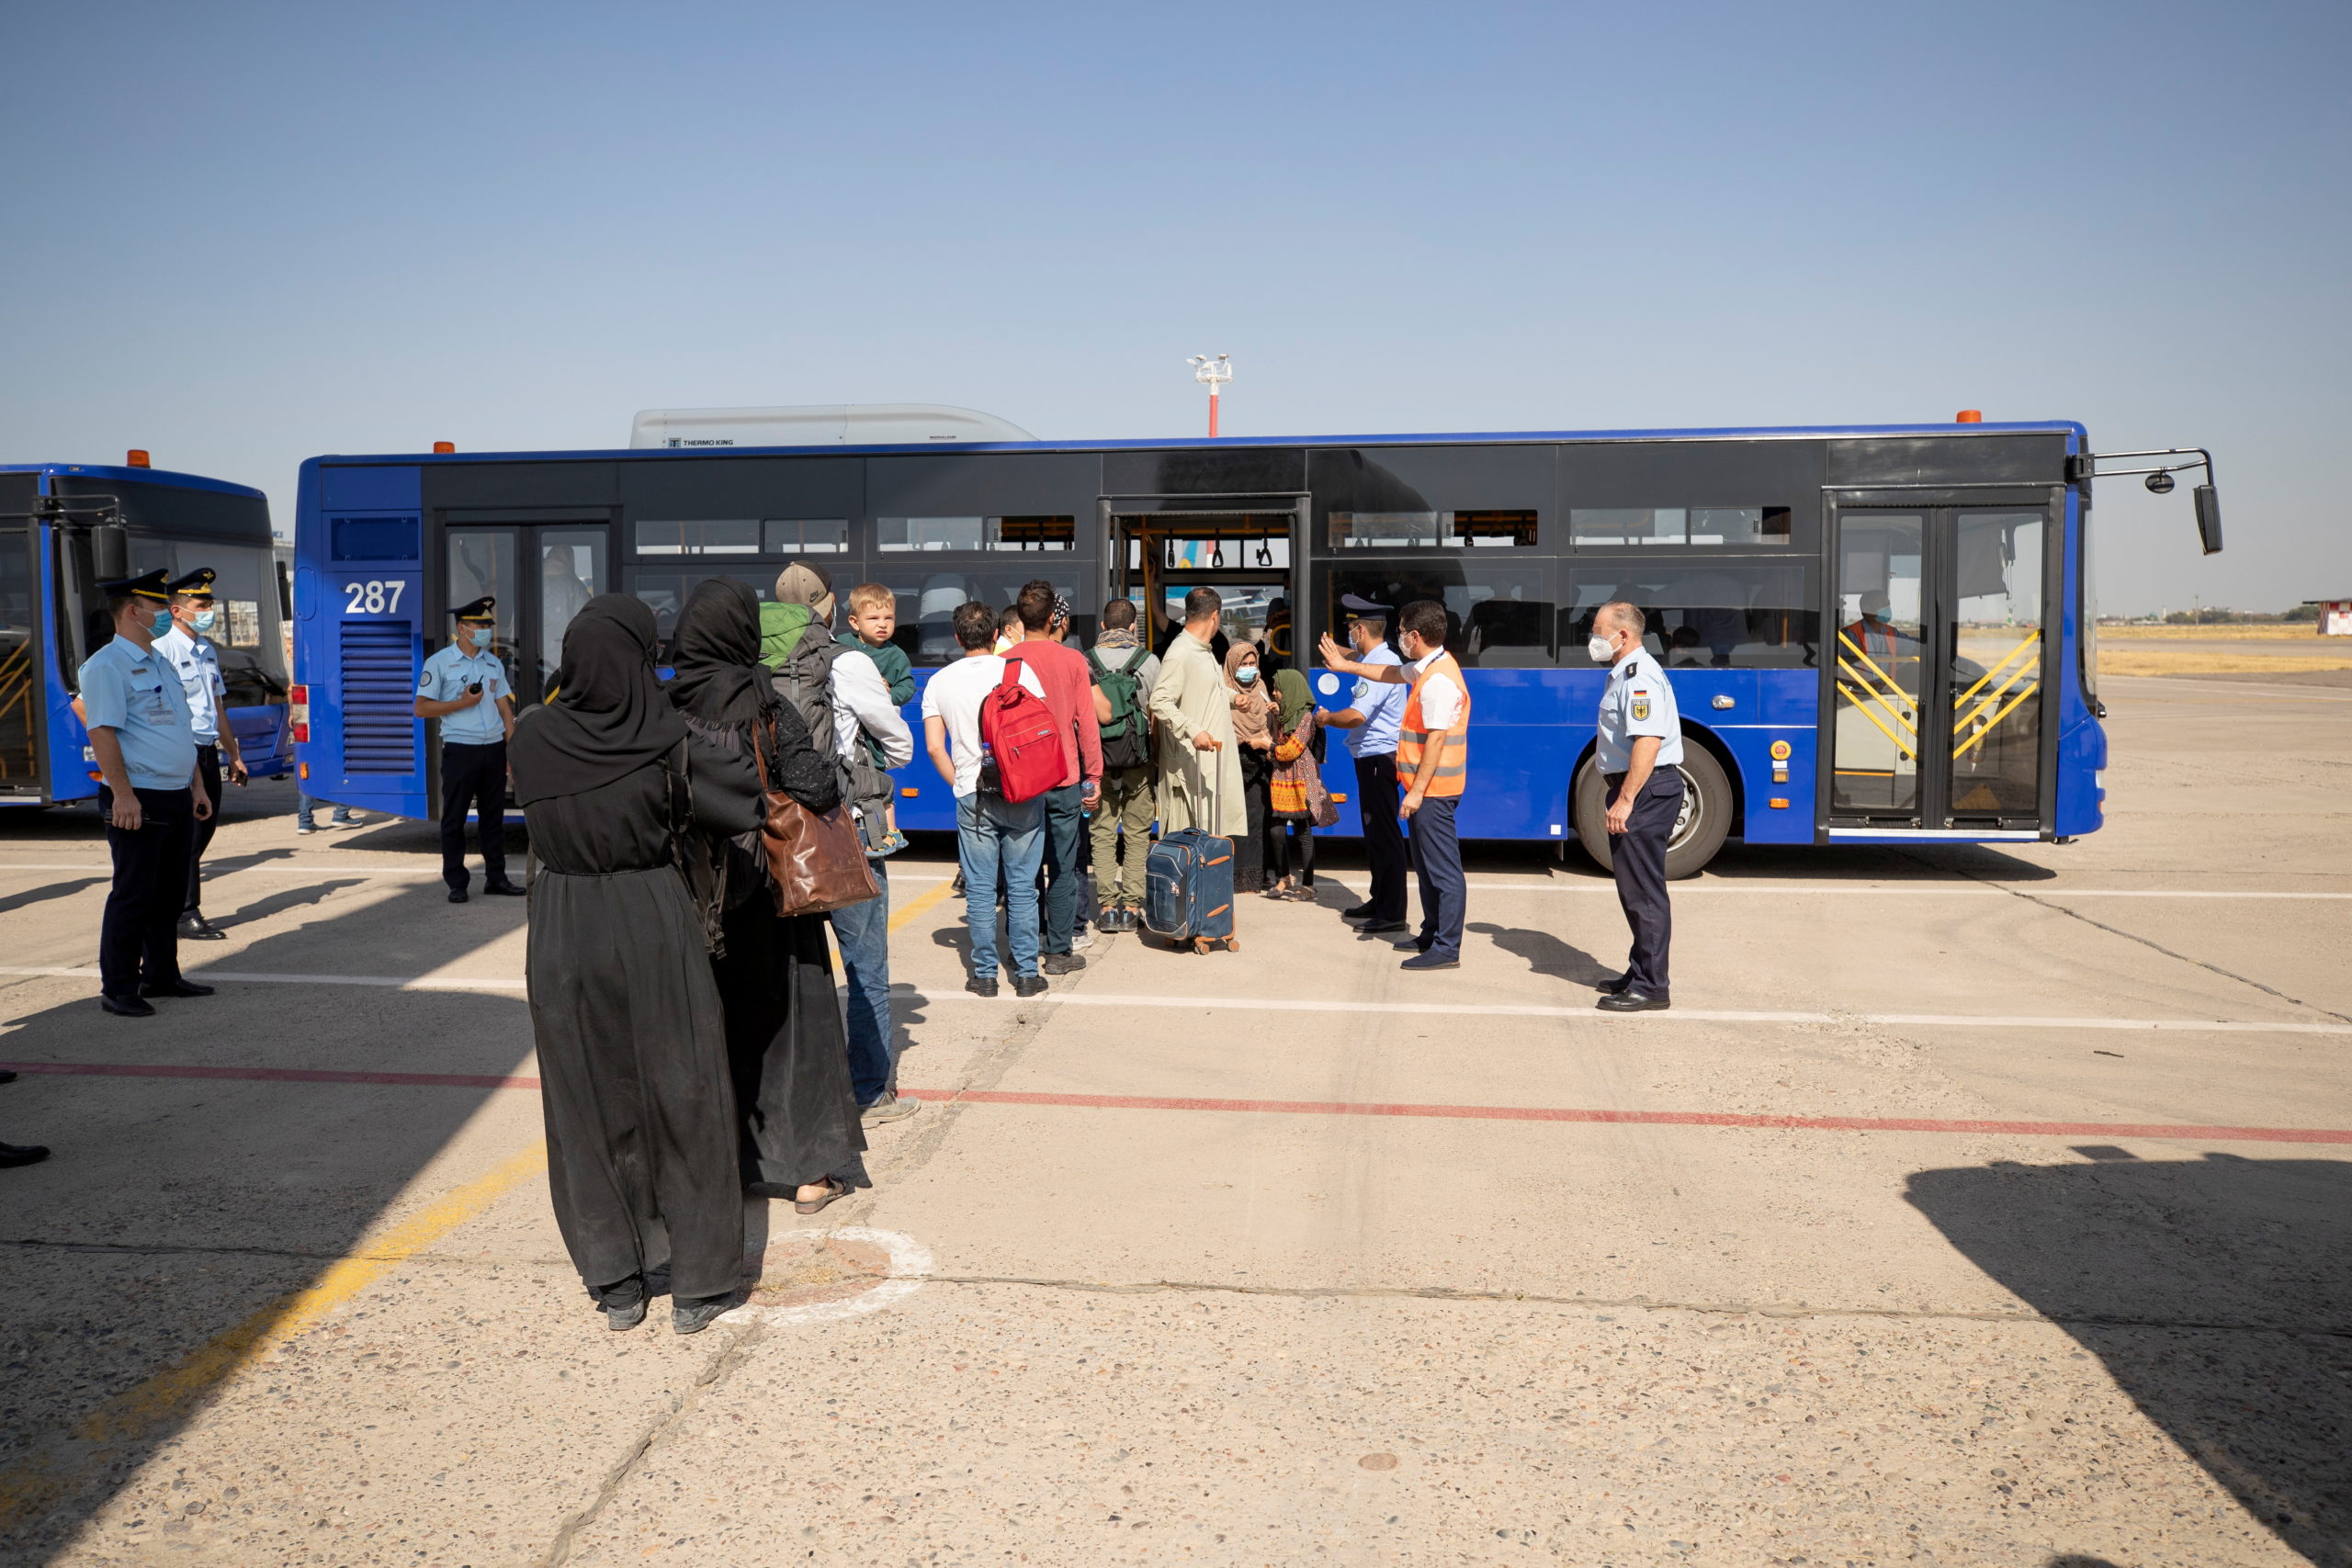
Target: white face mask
{"type": "Point", "coordinates": [1601, 649]}
{"type": "Point", "coordinates": [1247, 674]}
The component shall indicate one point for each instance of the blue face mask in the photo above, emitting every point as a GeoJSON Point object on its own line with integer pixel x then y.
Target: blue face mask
{"type": "Point", "coordinates": [160, 623]}
{"type": "Point", "coordinates": [479, 637]}
{"type": "Point", "coordinates": [1247, 674]}
{"type": "Point", "coordinates": [205, 620]}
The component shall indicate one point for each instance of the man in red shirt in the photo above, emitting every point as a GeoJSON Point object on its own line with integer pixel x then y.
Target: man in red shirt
{"type": "Point", "coordinates": [1069, 693]}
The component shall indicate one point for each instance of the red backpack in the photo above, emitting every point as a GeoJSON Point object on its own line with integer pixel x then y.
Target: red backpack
{"type": "Point", "coordinates": [1020, 728]}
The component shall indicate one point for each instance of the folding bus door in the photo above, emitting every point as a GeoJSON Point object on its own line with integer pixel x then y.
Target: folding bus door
{"type": "Point", "coordinates": [1933, 699]}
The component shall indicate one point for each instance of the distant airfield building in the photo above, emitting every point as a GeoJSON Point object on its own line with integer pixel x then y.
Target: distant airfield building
{"type": "Point", "coordinates": [2335, 616]}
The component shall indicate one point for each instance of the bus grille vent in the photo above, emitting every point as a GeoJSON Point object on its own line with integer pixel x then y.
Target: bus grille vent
{"type": "Point", "coordinates": [379, 698]}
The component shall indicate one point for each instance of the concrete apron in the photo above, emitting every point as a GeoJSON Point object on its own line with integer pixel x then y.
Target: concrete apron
{"type": "Point", "coordinates": [1244, 1284]}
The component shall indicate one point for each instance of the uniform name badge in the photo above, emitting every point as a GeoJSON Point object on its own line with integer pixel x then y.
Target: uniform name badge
{"type": "Point", "coordinates": [1641, 706]}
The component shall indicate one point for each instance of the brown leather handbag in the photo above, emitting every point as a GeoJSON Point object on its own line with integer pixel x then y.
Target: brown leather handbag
{"type": "Point", "coordinates": [815, 860]}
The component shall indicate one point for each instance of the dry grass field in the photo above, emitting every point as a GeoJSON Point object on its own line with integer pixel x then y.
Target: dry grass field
{"type": "Point", "coordinates": [2219, 651]}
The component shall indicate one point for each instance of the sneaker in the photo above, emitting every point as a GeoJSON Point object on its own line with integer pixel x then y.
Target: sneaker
{"type": "Point", "coordinates": [1081, 940]}
{"type": "Point", "coordinates": [1062, 964]}
{"type": "Point", "coordinates": [982, 985]}
{"type": "Point", "coordinates": [1431, 960]}
{"type": "Point", "coordinates": [1029, 984]}
{"type": "Point", "coordinates": [891, 1107]}
{"type": "Point", "coordinates": [1107, 922]}
{"type": "Point", "coordinates": [1130, 918]}
{"type": "Point", "coordinates": [303, 830]}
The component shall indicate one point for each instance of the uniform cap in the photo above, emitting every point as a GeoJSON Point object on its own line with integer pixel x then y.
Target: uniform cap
{"type": "Point", "coordinates": [1357, 604]}
{"type": "Point", "coordinates": [481, 609]}
{"type": "Point", "coordinates": [146, 585]}
{"type": "Point", "coordinates": [197, 582]}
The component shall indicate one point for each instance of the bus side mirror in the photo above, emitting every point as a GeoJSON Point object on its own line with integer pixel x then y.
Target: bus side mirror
{"type": "Point", "coordinates": [2209, 519]}
{"type": "Point", "coordinates": [110, 551]}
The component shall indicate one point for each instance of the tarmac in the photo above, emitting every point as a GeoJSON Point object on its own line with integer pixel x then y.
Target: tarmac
{"type": "Point", "coordinates": [1974, 1206]}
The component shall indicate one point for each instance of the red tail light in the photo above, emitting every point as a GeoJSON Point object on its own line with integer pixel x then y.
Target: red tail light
{"type": "Point", "coordinates": [301, 735]}
{"type": "Point", "coordinates": [298, 695]}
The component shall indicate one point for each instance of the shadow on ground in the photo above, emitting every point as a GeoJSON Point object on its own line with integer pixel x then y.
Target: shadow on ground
{"type": "Point", "coordinates": [2216, 1291]}
{"type": "Point", "coordinates": [178, 1218]}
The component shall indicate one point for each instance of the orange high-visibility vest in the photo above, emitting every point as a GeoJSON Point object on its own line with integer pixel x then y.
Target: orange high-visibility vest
{"type": "Point", "coordinates": [1454, 761]}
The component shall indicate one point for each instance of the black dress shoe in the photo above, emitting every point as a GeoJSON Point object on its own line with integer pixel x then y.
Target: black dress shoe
{"type": "Point", "coordinates": [1356, 912]}
{"type": "Point", "coordinates": [1382, 928]}
{"type": "Point", "coordinates": [506, 889]}
{"type": "Point", "coordinates": [1613, 985]}
{"type": "Point", "coordinates": [1632, 1002]}
{"type": "Point", "coordinates": [982, 985]}
{"type": "Point", "coordinates": [196, 928]}
{"type": "Point", "coordinates": [457, 896]}
{"type": "Point", "coordinates": [175, 988]}
{"type": "Point", "coordinates": [1415, 944]}
{"type": "Point", "coordinates": [7, 1077]}
{"type": "Point", "coordinates": [22, 1153]}
{"type": "Point", "coordinates": [1029, 986]}
{"type": "Point", "coordinates": [126, 1007]}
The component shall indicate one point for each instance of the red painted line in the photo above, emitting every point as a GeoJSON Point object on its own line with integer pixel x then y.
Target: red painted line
{"type": "Point", "coordinates": [1301, 1107]}
{"type": "Point", "coordinates": [1655, 1118]}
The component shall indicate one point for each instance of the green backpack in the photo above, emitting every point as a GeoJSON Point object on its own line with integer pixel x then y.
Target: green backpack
{"type": "Point", "coordinates": [1126, 735]}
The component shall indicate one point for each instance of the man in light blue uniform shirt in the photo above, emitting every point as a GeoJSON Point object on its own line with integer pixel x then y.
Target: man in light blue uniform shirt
{"type": "Point", "coordinates": [1373, 712]}
{"type": "Point", "coordinates": [464, 686]}
{"type": "Point", "coordinates": [1639, 753]}
{"type": "Point", "coordinates": [198, 667]}
{"type": "Point", "coordinates": [150, 794]}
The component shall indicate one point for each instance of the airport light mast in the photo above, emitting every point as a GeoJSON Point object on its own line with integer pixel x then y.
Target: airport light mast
{"type": "Point", "coordinates": [1211, 374]}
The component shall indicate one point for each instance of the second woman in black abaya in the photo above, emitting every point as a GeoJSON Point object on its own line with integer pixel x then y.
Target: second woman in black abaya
{"type": "Point", "coordinates": [641, 1113]}
{"type": "Point", "coordinates": [785, 1040]}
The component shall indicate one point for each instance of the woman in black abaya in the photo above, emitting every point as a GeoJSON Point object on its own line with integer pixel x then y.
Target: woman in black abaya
{"type": "Point", "coordinates": [793, 1098]}
{"type": "Point", "coordinates": [640, 1114]}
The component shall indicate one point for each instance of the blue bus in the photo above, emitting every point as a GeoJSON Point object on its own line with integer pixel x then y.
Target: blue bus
{"type": "Point", "coordinates": [64, 527]}
{"type": "Point", "coordinates": [1822, 598]}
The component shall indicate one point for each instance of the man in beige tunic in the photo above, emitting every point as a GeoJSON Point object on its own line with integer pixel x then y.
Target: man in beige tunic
{"type": "Point", "coordinates": [1193, 707]}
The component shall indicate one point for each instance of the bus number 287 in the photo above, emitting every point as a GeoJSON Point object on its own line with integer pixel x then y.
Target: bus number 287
{"type": "Point", "coordinates": [374, 598]}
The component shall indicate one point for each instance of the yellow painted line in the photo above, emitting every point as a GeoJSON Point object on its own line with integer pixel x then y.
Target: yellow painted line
{"type": "Point", "coordinates": [104, 1436]}
{"type": "Point", "coordinates": [922, 902]}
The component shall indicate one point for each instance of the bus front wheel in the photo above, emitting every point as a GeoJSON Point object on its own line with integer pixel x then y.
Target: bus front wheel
{"type": "Point", "coordinates": [1699, 831]}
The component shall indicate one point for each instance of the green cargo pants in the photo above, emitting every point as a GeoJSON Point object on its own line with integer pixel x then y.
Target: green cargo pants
{"type": "Point", "coordinates": [1128, 802]}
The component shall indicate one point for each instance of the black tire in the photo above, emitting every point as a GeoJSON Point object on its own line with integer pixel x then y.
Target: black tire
{"type": "Point", "coordinates": [1705, 821]}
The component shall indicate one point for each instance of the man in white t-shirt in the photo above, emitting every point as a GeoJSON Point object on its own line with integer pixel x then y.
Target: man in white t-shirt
{"type": "Point", "coordinates": [990, 831]}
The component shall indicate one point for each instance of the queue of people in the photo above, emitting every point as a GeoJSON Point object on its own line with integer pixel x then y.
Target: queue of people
{"type": "Point", "coordinates": [689, 1037]}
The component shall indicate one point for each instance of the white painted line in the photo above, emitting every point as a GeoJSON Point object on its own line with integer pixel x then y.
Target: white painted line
{"type": "Point", "coordinates": [1588, 1014]}
{"type": "Point", "coordinates": [272, 868]}
{"type": "Point", "coordinates": [1284, 1004]}
{"type": "Point", "coordinates": [1710, 887]}
{"type": "Point", "coordinates": [910, 1262]}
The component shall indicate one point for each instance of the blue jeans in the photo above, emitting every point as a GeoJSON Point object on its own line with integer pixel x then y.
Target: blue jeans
{"type": "Point", "coordinates": [302, 812]}
{"type": "Point", "coordinates": [993, 834]}
{"type": "Point", "coordinates": [864, 933]}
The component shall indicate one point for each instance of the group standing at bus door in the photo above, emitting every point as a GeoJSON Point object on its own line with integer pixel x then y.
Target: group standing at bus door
{"type": "Point", "coordinates": [464, 686]}
{"type": "Point", "coordinates": [150, 794]}
{"type": "Point", "coordinates": [185, 647]}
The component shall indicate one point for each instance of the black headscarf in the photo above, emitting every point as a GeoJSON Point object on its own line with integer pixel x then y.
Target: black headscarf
{"type": "Point", "coordinates": [714, 656]}
{"type": "Point", "coordinates": [610, 715]}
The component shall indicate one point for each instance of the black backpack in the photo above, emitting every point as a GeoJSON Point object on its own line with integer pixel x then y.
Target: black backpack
{"type": "Point", "coordinates": [1127, 734]}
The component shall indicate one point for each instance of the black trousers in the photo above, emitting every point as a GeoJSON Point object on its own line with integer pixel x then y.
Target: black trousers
{"type": "Point", "coordinates": [208, 768]}
{"type": "Point", "coordinates": [1637, 860]}
{"type": "Point", "coordinates": [1437, 860]}
{"type": "Point", "coordinates": [139, 938]}
{"type": "Point", "coordinates": [475, 776]}
{"type": "Point", "coordinates": [1383, 841]}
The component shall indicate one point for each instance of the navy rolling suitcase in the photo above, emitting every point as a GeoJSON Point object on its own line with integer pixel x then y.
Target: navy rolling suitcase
{"type": "Point", "coordinates": [1188, 888]}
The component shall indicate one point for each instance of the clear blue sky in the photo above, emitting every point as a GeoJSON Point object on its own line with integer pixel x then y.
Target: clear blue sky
{"type": "Point", "coordinates": [244, 234]}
